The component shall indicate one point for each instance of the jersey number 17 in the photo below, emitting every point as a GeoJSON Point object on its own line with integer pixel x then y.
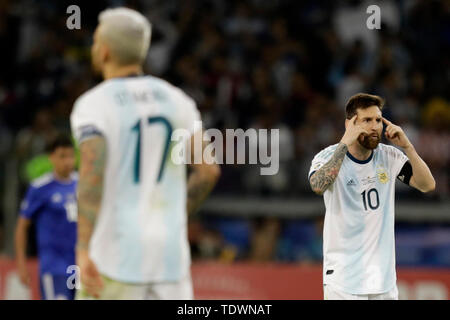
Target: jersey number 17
{"type": "Point", "coordinates": [137, 161]}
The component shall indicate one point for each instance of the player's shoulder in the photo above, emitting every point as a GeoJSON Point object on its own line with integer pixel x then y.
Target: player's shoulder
{"type": "Point", "coordinates": [170, 91]}
{"type": "Point", "coordinates": [88, 99]}
{"type": "Point", "coordinates": [92, 92]}
{"type": "Point", "coordinates": [388, 150]}
{"type": "Point", "coordinates": [42, 181]}
{"type": "Point", "coordinates": [326, 152]}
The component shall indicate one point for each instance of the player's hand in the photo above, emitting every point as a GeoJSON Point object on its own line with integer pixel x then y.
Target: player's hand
{"type": "Point", "coordinates": [91, 279]}
{"type": "Point", "coordinates": [24, 274]}
{"type": "Point", "coordinates": [352, 132]}
{"type": "Point", "coordinates": [396, 135]}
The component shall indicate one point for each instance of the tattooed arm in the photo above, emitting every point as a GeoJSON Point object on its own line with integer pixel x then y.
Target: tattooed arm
{"type": "Point", "coordinates": [90, 189]}
{"type": "Point", "coordinates": [203, 177]}
{"type": "Point", "coordinates": [90, 186]}
{"type": "Point", "coordinates": [325, 176]}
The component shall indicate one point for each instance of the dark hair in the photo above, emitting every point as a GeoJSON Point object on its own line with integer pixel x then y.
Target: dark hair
{"type": "Point", "coordinates": [61, 140]}
{"type": "Point", "coordinates": [362, 101]}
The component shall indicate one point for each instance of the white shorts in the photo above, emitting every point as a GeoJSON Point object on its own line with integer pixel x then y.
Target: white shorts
{"type": "Point", "coordinates": [331, 293]}
{"type": "Point", "coordinates": [115, 290]}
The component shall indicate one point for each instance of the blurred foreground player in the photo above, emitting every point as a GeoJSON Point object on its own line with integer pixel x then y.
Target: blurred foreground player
{"type": "Point", "coordinates": [50, 203]}
{"type": "Point", "coordinates": [133, 200]}
{"type": "Point", "coordinates": [357, 179]}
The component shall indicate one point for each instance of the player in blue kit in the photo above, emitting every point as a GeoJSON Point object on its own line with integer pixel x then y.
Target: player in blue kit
{"type": "Point", "coordinates": [50, 203]}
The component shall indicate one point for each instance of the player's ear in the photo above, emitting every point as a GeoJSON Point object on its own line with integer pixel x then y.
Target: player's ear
{"type": "Point", "coordinates": [105, 53]}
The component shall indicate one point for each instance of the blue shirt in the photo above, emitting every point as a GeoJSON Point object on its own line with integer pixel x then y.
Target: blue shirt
{"type": "Point", "coordinates": [51, 205]}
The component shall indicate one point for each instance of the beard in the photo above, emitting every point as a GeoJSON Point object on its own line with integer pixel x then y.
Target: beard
{"type": "Point", "coordinates": [369, 142]}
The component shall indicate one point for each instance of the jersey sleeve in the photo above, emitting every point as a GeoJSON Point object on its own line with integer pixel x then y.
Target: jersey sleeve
{"type": "Point", "coordinates": [320, 159]}
{"type": "Point", "coordinates": [191, 116]}
{"type": "Point", "coordinates": [405, 173]}
{"type": "Point", "coordinates": [87, 119]}
{"type": "Point", "coordinates": [397, 160]}
{"type": "Point", "coordinates": [31, 203]}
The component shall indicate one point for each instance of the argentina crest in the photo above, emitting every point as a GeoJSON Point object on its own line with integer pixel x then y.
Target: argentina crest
{"type": "Point", "coordinates": [382, 175]}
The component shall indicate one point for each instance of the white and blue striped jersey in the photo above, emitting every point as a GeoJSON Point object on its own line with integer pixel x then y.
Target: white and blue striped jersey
{"type": "Point", "coordinates": [141, 232]}
{"type": "Point", "coordinates": [359, 245]}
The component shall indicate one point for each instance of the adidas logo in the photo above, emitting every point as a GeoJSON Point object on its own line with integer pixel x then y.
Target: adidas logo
{"type": "Point", "coordinates": [402, 177]}
{"type": "Point", "coordinates": [351, 182]}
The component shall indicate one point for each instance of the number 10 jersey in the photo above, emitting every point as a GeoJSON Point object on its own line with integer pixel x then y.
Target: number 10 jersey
{"type": "Point", "coordinates": [358, 235]}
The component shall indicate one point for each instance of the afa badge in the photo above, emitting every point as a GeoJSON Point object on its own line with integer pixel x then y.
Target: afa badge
{"type": "Point", "coordinates": [382, 175]}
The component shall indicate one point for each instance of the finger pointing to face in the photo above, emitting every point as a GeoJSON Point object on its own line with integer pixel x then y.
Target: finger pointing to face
{"type": "Point", "coordinates": [386, 122]}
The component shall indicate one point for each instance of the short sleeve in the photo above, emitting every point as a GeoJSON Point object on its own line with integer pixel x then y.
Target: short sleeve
{"type": "Point", "coordinates": [32, 203]}
{"type": "Point", "coordinates": [87, 119]}
{"type": "Point", "coordinates": [397, 160]}
{"type": "Point", "coordinates": [191, 116]}
{"type": "Point", "coordinates": [320, 159]}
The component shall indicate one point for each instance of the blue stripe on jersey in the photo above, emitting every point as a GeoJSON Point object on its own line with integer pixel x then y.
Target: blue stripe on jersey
{"type": "Point", "coordinates": [172, 251]}
{"type": "Point", "coordinates": [356, 261]}
{"type": "Point", "coordinates": [127, 201]}
{"type": "Point", "coordinates": [386, 241]}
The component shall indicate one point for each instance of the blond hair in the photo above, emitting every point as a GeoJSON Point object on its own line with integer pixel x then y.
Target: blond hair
{"type": "Point", "coordinates": [127, 33]}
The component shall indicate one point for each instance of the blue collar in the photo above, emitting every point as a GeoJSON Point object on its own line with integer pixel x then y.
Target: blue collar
{"type": "Point", "coordinates": [360, 161]}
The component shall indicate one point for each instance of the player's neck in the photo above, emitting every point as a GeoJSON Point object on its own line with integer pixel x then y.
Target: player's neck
{"type": "Point", "coordinates": [61, 177]}
{"type": "Point", "coordinates": [359, 152]}
{"type": "Point", "coordinates": [114, 71]}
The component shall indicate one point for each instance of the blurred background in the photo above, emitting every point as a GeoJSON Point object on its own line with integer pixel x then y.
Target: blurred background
{"type": "Point", "coordinates": [280, 64]}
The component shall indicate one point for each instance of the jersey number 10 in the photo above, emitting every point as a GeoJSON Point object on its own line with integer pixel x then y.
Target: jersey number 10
{"type": "Point", "coordinates": [368, 200]}
{"type": "Point", "coordinates": [137, 161]}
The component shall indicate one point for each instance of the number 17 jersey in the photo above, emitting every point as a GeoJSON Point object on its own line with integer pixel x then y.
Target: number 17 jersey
{"type": "Point", "coordinates": [140, 234]}
{"type": "Point", "coordinates": [358, 235]}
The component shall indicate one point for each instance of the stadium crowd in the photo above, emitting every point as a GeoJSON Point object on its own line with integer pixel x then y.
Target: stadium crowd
{"type": "Point", "coordinates": [280, 64]}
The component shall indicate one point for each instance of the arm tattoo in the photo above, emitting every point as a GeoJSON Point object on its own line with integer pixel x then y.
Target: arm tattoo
{"type": "Point", "coordinates": [326, 175]}
{"type": "Point", "coordinates": [90, 186]}
{"type": "Point", "coordinates": [199, 186]}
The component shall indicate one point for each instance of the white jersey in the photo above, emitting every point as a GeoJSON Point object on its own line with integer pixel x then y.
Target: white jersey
{"type": "Point", "coordinates": [358, 235]}
{"type": "Point", "coordinates": [141, 232]}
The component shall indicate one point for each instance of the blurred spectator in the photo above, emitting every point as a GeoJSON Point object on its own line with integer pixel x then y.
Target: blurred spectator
{"type": "Point", "coordinates": [33, 141]}
{"type": "Point", "coordinates": [434, 142]}
{"type": "Point", "coordinates": [5, 146]}
{"type": "Point", "coordinates": [264, 239]}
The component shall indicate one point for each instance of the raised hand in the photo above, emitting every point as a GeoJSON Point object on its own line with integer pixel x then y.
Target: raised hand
{"type": "Point", "coordinates": [396, 135]}
{"type": "Point", "coordinates": [352, 132]}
